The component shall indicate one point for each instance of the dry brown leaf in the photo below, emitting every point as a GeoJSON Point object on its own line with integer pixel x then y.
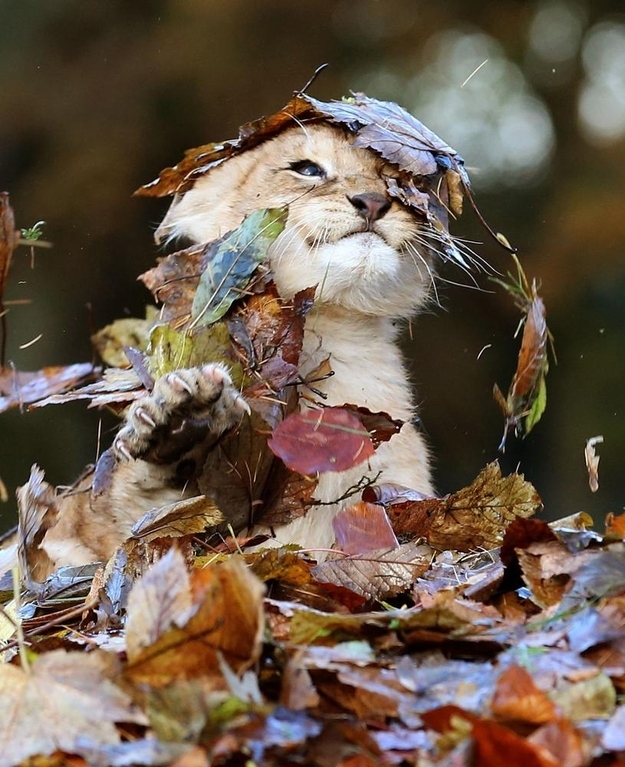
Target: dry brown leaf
{"type": "Point", "coordinates": [495, 745]}
{"type": "Point", "coordinates": [378, 574]}
{"type": "Point", "coordinates": [66, 701]}
{"type": "Point", "coordinates": [563, 742]}
{"type": "Point", "coordinates": [280, 565]}
{"type": "Point", "coordinates": [117, 388]}
{"type": "Point", "coordinates": [9, 236]}
{"type": "Point", "coordinates": [592, 462]}
{"type": "Point", "coordinates": [527, 395]}
{"type": "Point", "coordinates": [19, 388]}
{"type": "Point", "coordinates": [474, 517]}
{"type": "Point", "coordinates": [372, 694]}
{"type": "Point", "coordinates": [37, 512]}
{"type": "Point", "coordinates": [615, 527]}
{"type": "Point", "coordinates": [518, 699]}
{"type": "Point", "coordinates": [187, 517]}
{"type": "Point", "coordinates": [226, 621]}
{"type": "Point", "coordinates": [432, 178]}
{"type": "Point", "coordinates": [159, 600]}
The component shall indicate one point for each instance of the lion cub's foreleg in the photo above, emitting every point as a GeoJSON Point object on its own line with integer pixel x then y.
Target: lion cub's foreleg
{"type": "Point", "coordinates": [156, 457]}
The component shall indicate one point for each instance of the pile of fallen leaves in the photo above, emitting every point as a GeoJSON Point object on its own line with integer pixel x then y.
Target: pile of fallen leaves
{"type": "Point", "coordinates": [389, 653]}
{"type": "Point", "coordinates": [450, 631]}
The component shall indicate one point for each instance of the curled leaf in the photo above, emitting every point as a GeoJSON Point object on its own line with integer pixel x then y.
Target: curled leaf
{"type": "Point", "coordinates": [432, 179]}
{"type": "Point", "coordinates": [592, 462]}
{"type": "Point", "coordinates": [526, 400]}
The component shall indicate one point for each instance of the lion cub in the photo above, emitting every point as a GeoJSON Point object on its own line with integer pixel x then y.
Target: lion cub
{"type": "Point", "coordinates": [362, 251]}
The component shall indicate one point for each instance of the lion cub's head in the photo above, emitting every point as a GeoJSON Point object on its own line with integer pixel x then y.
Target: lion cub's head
{"type": "Point", "coordinates": [344, 234]}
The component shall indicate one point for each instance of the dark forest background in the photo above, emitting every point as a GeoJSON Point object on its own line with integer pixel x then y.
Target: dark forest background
{"type": "Point", "coordinates": [96, 97]}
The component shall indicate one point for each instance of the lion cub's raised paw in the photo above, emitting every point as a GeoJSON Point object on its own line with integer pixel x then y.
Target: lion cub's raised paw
{"type": "Point", "coordinates": [183, 408]}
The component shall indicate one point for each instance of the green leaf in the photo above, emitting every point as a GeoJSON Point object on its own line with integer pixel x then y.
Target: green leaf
{"type": "Point", "coordinates": [173, 349]}
{"type": "Point", "coordinates": [233, 262]}
{"type": "Point", "coordinates": [539, 403]}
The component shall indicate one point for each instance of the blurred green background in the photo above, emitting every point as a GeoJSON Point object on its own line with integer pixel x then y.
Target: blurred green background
{"type": "Point", "coordinates": [96, 97]}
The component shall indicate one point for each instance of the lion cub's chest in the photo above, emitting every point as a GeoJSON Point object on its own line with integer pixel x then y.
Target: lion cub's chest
{"type": "Point", "coordinates": [367, 369]}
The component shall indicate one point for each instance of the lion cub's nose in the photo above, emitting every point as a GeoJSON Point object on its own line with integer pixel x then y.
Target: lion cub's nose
{"type": "Point", "coordinates": [370, 205]}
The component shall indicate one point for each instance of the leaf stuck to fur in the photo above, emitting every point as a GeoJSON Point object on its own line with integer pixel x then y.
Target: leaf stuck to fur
{"type": "Point", "coordinates": [432, 179]}
{"type": "Point", "coordinates": [231, 264]}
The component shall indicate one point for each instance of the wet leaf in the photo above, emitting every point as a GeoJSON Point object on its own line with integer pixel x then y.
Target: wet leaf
{"type": "Point", "coordinates": [232, 262]}
{"type": "Point", "coordinates": [474, 517]}
{"type": "Point", "coordinates": [312, 441]}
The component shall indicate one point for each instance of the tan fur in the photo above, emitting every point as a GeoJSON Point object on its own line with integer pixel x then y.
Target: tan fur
{"type": "Point", "coordinates": [365, 280]}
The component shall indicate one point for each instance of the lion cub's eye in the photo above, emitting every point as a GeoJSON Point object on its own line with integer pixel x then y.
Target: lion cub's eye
{"type": "Point", "coordinates": [307, 168]}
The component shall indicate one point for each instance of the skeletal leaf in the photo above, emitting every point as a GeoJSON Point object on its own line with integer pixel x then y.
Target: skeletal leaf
{"type": "Point", "coordinates": [232, 262]}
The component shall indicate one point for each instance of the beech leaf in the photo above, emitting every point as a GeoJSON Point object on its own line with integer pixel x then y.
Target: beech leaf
{"type": "Point", "coordinates": [378, 574]}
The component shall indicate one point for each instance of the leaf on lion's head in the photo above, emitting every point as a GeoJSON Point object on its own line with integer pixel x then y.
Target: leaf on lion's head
{"type": "Point", "coordinates": [430, 179]}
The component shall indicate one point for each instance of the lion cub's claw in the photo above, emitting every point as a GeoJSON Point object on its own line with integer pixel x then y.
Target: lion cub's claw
{"type": "Point", "coordinates": [200, 398]}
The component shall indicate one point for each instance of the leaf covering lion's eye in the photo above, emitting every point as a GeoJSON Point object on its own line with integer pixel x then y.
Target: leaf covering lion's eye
{"type": "Point", "coordinates": [307, 168]}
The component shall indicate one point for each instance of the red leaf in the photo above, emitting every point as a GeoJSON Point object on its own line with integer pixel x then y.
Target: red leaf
{"type": "Point", "coordinates": [331, 439]}
{"type": "Point", "coordinates": [363, 527]}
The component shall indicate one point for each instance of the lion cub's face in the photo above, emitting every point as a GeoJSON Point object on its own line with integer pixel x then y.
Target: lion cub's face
{"type": "Point", "coordinates": [343, 234]}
